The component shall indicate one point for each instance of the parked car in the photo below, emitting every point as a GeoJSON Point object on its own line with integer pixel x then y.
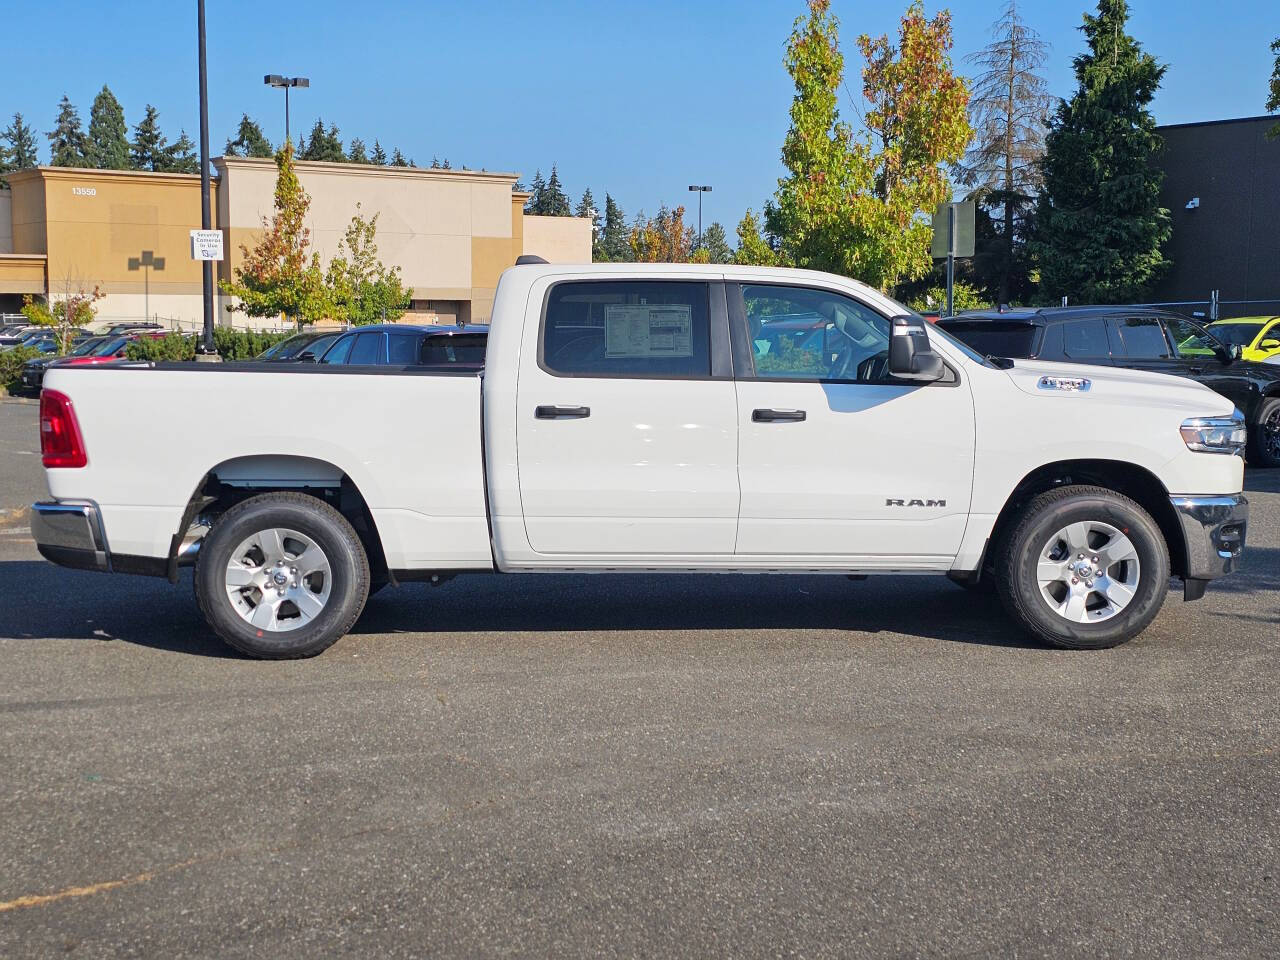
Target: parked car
{"type": "Point", "coordinates": [622, 423]}
{"type": "Point", "coordinates": [1138, 338]}
{"type": "Point", "coordinates": [406, 345]}
{"type": "Point", "coordinates": [291, 349]}
{"type": "Point", "coordinates": [1257, 337]}
{"type": "Point", "coordinates": [15, 338]}
{"type": "Point", "coordinates": [132, 325]}
{"type": "Point", "coordinates": [33, 370]}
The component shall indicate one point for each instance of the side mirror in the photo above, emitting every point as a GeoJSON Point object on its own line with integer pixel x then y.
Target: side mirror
{"type": "Point", "coordinates": [306, 356]}
{"type": "Point", "coordinates": [1234, 352]}
{"type": "Point", "coordinates": [1269, 344]}
{"type": "Point", "coordinates": [910, 356]}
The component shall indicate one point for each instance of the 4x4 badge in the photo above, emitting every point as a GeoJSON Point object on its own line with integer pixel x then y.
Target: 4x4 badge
{"type": "Point", "coordinates": [1066, 384]}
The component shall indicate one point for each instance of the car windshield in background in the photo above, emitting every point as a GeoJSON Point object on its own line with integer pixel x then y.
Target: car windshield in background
{"type": "Point", "coordinates": [287, 349]}
{"type": "Point", "coordinates": [1236, 334]}
{"type": "Point", "coordinates": [994, 338]}
{"type": "Point", "coordinates": [108, 346]}
{"type": "Point", "coordinates": [86, 347]}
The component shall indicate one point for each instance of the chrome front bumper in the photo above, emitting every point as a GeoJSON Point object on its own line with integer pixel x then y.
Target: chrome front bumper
{"type": "Point", "coordinates": [70, 535]}
{"type": "Point", "coordinates": [1213, 530]}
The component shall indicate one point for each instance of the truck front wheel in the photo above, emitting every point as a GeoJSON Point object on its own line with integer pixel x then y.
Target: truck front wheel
{"type": "Point", "coordinates": [1083, 568]}
{"type": "Point", "coordinates": [281, 575]}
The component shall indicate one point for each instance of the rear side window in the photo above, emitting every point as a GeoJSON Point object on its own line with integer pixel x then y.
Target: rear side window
{"type": "Point", "coordinates": [402, 349]}
{"type": "Point", "coordinates": [1143, 338]}
{"type": "Point", "coordinates": [1086, 338]}
{"type": "Point", "coordinates": [628, 328]}
{"type": "Point", "coordinates": [995, 338]}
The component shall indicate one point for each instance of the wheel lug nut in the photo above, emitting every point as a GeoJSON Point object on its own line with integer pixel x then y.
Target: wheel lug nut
{"type": "Point", "coordinates": [1074, 580]}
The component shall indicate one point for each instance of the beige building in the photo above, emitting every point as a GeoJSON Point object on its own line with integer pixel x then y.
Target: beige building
{"type": "Point", "coordinates": [127, 234]}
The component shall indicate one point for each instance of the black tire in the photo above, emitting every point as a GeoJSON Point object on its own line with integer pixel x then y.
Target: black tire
{"type": "Point", "coordinates": [1017, 561]}
{"type": "Point", "coordinates": [330, 531]}
{"type": "Point", "coordinates": [1264, 435]}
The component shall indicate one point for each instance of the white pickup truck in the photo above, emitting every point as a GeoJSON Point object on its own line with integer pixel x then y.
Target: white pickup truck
{"type": "Point", "coordinates": [640, 418]}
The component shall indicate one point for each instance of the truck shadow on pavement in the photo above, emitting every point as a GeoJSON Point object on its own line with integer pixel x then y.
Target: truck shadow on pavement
{"type": "Point", "coordinates": [47, 604]}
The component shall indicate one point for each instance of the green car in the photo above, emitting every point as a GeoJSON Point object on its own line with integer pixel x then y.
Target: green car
{"type": "Point", "coordinates": [1257, 337]}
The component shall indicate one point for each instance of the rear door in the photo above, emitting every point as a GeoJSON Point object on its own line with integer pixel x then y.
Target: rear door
{"type": "Point", "coordinates": [627, 427]}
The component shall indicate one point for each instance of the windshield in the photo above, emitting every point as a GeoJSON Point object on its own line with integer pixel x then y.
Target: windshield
{"type": "Point", "coordinates": [108, 347]}
{"type": "Point", "coordinates": [86, 347]}
{"type": "Point", "coordinates": [1236, 334]}
{"type": "Point", "coordinates": [287, 348]}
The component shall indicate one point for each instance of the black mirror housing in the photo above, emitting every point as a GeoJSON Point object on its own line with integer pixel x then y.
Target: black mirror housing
{"type": "Point", "coordinates": [910, 355]}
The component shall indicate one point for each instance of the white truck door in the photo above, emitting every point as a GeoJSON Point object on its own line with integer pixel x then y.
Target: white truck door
{"type": "Point", "coordinates": [838, 463]}
{"type": "Point", "coordinates": [627, 427]}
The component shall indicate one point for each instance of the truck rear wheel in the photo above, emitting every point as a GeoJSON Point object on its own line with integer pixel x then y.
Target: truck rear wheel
{"type": "Point", "coordinates": [1083, 568]}
{"type": "Point", "coordinates": [281, 576]}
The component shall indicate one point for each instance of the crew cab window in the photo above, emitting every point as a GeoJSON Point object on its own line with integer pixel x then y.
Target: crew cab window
{"type": "Point", "coordinates": [466, 348]}
{"type": "Point", "coordinates": [807, 334]}
{"type": "Point", "coordinates": [1086, 338]}
{"type": "Point", "coordinates": [1190, 340]}
{"type": "Point", "coordinates": [402, 348]}
{"type": "Point", "coordinates": [627, 328]}
{"type": "Point", "coordinates": [1143, 338]}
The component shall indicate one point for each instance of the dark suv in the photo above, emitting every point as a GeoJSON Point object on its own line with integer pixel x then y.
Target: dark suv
{"type": "Point", "coordinates": [1141, 338]}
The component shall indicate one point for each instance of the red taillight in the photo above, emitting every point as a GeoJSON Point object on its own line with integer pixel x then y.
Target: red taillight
{"type": "Point", "coordinates": [60, 442]}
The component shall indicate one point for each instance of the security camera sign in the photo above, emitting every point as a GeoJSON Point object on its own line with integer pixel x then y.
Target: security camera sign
{"type": "Point", "coordinates": [206, 244]}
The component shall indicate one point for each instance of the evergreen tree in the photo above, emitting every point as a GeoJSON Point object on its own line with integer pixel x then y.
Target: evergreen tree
{"type": "Point", "coordinates": [1009, 108]}
{"type": "Point", "coordinates": [1100, 225]}
{"type": "Point", "coordinates": [612, 242]}
{"type": "Point", "coordinates": [397, 158]}
{"type": "Point", "coordinates": [149, 150]}
{"type": "Point", "coordinates": [323, 145]}
{"type": "Point", "coordinates": [379, 156]}
{"type": "Point", "coordinates": [538, 195]}
{"type": "Point", "coordinates": [435, 162]}
{"type": "Point", "coordinates": [108, 134]}
{"type": "Point", "coordinates": [356, 153]}
{"type": "Point", "coordinates": [446, 165]}
{"type": "Point", "coordinates": [716, 244]}
{"type": "Point", "coordinates": [587, 208]}
{"type": "Point", "coordinates": [68, 146]}
{"type": "Point", "coordinates": [557, 202]}
{"type": "Point", "coordinates": [21, 152]}
{"type": "Point", "coordinates": [180, 156]}
{"type": "Point", "coordinates": [1273, 90]}
{"type": "Point", "coordinates": [250, 141]}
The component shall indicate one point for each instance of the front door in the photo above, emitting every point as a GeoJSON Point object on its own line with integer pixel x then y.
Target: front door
{"type": "Point", "coordinates": [840, 464]}
{"type": "Point", "coordinates": [627, 428]}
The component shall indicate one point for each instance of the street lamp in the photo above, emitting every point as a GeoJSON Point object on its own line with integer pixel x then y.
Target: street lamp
{"type": "Point", "coordinates": [146, 262]}
{"type": "Point", "coordinates": [275, 80]}
{"type": "Point", "coordinates": [699, 191]}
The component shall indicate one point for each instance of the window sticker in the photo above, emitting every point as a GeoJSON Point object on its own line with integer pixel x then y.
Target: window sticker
{"type": "Point", "coordinates": [648, 330]}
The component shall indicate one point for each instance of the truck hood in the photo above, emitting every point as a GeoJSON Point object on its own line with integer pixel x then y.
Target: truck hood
{"type": "Point", "coordinates": [1117, 385]}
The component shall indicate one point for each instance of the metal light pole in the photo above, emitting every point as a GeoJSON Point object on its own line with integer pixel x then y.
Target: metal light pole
{"type": "Point", "coordinates": [700, 190]}
{"type": "Point", "coordinates": [206, 214]}
{"type": "Point", "coordinates": [276, 80]}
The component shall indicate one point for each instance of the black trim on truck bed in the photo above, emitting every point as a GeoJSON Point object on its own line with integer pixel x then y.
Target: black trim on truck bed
{"type": "Point", "coordinates": [253, 366]}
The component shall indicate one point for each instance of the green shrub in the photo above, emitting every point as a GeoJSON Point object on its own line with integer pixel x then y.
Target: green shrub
{"type": "Point", "coordinates": [963, 297]}
{"type": "Point", "coordinates": [11, 362]}
{"type": "Point", "coordinates": [231, 344]}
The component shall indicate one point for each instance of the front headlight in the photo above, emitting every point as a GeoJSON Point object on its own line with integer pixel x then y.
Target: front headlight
{"type": "Point", "coordinates": [1215, 434]}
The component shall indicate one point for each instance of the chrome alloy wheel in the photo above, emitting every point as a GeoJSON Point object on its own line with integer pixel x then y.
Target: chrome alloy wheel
{"type": "Point", "coordinates": [278, 579]}
{"type": "Point", "coordinates": [1088, 571]}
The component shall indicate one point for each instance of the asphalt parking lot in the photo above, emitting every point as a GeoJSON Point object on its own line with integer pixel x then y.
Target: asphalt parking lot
{"type": "Point", "coordinates": [659, 766]}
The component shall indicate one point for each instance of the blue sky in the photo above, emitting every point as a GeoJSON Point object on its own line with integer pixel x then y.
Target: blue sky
{"type": "Point", "coordinates": [640, 99]}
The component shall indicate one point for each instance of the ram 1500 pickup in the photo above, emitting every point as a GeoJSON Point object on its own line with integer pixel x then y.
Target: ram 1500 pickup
{"type": "Point", "coordinates": [649, 418]}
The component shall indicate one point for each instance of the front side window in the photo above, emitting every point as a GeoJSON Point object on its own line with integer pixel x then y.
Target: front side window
{"type": "Point", "coordinates": [367, 349]}
{"type": "Point", "coordinates": [807, 334]}
{"type": "Point", "coordinates": [627, 328]}
{"type": "Point", "coordinates": [1143, 338]}
{"type": "Point", "coordinates": [339, 352]}
{"type": "Point", "coordinates": [1190, 340]}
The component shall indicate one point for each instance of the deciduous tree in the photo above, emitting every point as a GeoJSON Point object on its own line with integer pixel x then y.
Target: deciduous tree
{"type": "Point", "coordinates": [108, 147]}
{"type": "Point", "coordinates": [753, 250]}
{"type": "Point", "coordinates": [278, 275]}
{"type": "Point", "coordinates": [662, 239]}
{"type": "Point", "coordinates": [364, 290]}
{"type": "Point", "coordinates": [857, 204]}
{"type": "Point", "coordinates": [1009, 111]}
{"type": "Point", "coordinates": [1100, 225]}
{"type": "Point", "coordinates": [68, 146]}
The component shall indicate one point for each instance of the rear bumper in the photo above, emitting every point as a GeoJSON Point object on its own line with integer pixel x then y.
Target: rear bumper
{"type": "Point", "coordinates": [70, 535]}
{"type": "Point", "coordinates": [1213, 530]}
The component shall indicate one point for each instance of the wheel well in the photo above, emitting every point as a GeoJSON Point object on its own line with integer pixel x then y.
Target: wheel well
{"type": "Point", "coordinates": [238, 479]}
{"type": "Point", "coordinates": [1132, 481]}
